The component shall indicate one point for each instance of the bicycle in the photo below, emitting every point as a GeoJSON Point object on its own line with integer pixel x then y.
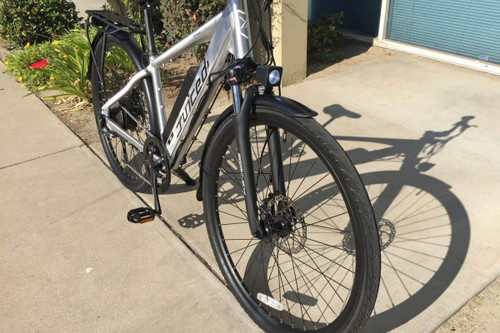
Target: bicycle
{"type": "Point", "coordinates": [287, 215]}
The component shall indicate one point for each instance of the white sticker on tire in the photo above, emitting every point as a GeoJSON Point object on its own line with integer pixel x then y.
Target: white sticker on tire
{"type": "Point", "coordinates": [269, 301]}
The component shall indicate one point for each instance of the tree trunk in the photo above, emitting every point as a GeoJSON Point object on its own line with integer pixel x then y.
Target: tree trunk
{"type": "Point", "coordinates": [118, 6]}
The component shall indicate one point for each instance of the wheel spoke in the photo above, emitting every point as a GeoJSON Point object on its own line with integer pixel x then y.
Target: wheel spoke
{"type": "Point", "coordinates": [302, 272]}
{"type": "Point", "coordinates": [130, 112]}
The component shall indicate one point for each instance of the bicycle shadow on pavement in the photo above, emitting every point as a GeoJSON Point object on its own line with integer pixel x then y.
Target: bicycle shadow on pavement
{"type": "Point", "coordinates": [178, 186]}
{"type": "Point", "coordinates": [424, 228]}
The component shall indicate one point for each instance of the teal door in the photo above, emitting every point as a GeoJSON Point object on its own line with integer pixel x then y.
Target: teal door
{"type": "Point", "coordinates": [468, 28]}
{"type": "Point", "coordinates": [362, 16]}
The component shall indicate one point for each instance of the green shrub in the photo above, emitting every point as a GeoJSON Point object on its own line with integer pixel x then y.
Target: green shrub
{"type": "Point", "coordinates": [66, 68]}
{"type": "Point", "coordinates": [322, 37]}
{"type": "Point", "coordinates": [19, 64]}
{"type": "Point", "coordinates": [181, 17]}
{"type": "Point", "coordinates": [134, 12]}
{"type": "Point", "coordinates": [35, 21]}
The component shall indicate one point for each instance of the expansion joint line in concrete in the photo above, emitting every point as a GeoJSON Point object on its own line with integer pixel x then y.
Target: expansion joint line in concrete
{"type": "Point", "coordinates": [40, 157]}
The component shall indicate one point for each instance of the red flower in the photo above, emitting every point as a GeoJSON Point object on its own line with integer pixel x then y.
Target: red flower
{"type": "Point", "coordinates": [40, 64]}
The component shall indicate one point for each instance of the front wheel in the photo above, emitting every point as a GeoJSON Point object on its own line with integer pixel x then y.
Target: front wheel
{"type": "Point", "coordinates": [318, 268]}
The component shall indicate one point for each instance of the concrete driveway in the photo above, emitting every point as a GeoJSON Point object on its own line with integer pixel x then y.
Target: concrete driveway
{"type": "Point", "coordinates": [423, 136]}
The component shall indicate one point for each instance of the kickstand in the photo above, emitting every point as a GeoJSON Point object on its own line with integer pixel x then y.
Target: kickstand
{"type": "Point", "coordinates": [185, 177]}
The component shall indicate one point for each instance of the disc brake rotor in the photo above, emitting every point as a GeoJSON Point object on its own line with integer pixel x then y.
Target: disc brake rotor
{"type": "Point", "coordinates": [286, 224]}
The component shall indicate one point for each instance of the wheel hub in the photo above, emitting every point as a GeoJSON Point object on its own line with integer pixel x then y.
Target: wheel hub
{"type": "Point", "coordinates": [284, 224]}
{"type": "Point", "coordinates": [133, 104]}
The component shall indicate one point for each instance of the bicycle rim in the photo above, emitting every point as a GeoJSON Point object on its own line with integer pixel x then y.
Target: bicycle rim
{"type": "Point", "coordinates": [131, 113]}
{"type": "Point", "coordinates": [311, 273]}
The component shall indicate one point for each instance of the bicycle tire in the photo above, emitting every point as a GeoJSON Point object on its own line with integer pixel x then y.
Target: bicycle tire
{"type": "Point", "coordinates": [117, 66]}
{"type": "Point", "coordinates": [331, 252]}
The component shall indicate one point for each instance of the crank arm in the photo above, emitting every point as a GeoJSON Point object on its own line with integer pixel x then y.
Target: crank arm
{"type": "Point", "coordinates": [146, 214]}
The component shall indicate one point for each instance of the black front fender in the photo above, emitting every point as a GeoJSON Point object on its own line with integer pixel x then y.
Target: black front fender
{"type": "Point", "coordinates": [280, 104]}
{"type": "Point", "coordinates": [285, 105]}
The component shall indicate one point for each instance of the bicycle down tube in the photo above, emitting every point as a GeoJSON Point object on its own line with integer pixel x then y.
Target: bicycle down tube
{"type": "Point", "coordinates": [288, 218]}
{"type": "Point", "coordinates": [227, 32]}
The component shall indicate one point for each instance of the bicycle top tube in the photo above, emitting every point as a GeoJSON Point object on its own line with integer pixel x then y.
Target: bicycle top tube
{"type": "Point", "coordinates": [228, 32]}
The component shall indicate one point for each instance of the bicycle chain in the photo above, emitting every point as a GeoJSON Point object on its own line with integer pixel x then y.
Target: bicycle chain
{"type": "Point", "coordinates": [153, 145]}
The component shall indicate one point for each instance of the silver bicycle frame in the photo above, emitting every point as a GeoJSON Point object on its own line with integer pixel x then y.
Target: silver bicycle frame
{"type": "Point", "coordinates": [228, 32]}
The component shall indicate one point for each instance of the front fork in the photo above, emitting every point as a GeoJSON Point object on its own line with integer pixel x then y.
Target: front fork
{"type": "Point", "coordinates": [241, 124]}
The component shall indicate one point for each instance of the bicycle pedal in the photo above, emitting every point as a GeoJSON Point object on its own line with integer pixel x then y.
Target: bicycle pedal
{"type": "Point", "coordinates": [141, 215]}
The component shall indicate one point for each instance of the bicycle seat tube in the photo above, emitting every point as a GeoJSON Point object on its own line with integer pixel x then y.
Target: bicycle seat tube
{"type": "Point", "coordinates": [159, 110]}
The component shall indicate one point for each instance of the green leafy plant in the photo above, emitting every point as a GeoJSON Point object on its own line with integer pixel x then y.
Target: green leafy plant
{"type": "Point", "coordinates": [20, 64]}
{"type": "Point", "coordinates": [181, 17]}
{"type": "Point", "coordinates": [323, 37]}
{"type": "Point", "coordinates": [68, 68]}
{"type": "Point", "coordinates": [134, 12]}
{"type": "Point", "coordinates": [35, 21]}
{"type": "Point", "coordinates": [60, 65]}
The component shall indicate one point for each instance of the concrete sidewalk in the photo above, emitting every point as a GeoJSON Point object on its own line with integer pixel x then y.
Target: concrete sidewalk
{"type": "Point", "coordinates": [69, 260]}
{"type": "Point", "coordinates": [83, 5]}
{"type": "Point", "coordinates": [423, 135]}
